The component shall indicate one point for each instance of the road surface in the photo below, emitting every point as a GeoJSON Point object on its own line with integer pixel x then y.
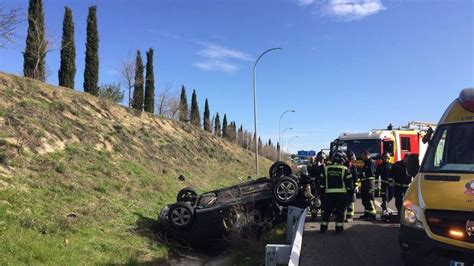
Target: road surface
{"type": "Point", "coordinates": [362, 243]}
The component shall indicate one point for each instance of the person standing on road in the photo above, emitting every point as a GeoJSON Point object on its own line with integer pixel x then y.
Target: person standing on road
{"type": "Point", "coordinates": [336, 184]}
{"type": "Point", "coordinates": [351, 158]}
{"type": "Point", "coordinates": [310, 164]}
{"type": "Point", "coordinates": [401, 181]}
{"type": "Point", "coordinates": [317, 168]}
{"type": "Point", "coordinates": [384, 172]}
{"type": "Point", "coordinates": [367, 179]}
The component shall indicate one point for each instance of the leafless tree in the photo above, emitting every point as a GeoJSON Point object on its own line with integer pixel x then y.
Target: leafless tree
{"type": "Point", "coordinates": [127, 75]}
{"type": "Point", "coordinates": [168, 103]}
{"type": "Point", "coordinates": [9, 20]}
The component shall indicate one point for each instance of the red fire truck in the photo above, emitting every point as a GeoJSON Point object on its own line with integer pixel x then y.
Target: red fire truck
{"type": "Point", "coordinates": [396, 141]}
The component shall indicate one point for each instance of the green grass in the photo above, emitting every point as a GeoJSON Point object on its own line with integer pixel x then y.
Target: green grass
{"type": "Point", "coordinates": [79, 203]}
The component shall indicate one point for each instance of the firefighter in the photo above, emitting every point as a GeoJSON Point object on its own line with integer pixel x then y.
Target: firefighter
{"type": "Point", "coordinates": [336, 184]}
{"type": "Point", "coordinates": [310, 164]}
{"type": "Point", "coordinates": [351, 158]}
{"type": "Point", "coordinates": [367, 179]}
{"type": "Point", "coordinates": [401, 181]}
{"type": "Point", "coordinates": [384, 173]}
{"type": "Point", "coordinates": [317, 168]}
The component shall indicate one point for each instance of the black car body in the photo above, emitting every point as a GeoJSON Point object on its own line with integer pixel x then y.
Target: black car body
{"type": "Point", "coordinates": [260, 203]}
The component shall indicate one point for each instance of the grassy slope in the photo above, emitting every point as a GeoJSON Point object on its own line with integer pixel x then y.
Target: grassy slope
{"type": "Point", "coordinates": [90, 175]}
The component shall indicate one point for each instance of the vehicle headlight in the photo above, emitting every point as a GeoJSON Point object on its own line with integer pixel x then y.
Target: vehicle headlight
{"type": "Point", "coordinates": [411, 215]}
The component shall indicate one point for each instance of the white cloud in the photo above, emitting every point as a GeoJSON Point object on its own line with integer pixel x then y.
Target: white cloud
{"type": "Point", "coordinates": [217, 65]}
{"type": "Point", "coordinates": [215, 51]}
{"type": "Point", "coordinates": [353, 9]}
{"type": "Point", "coordinates": [346, 10]}
{"type": "Point", "coordinates": [219, 58]}
{"type": "Point", "coordinates": [305, 2]}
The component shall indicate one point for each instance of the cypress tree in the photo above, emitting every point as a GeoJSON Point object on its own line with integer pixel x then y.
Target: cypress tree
{"type": "Point", "coordinates": [36, 44]}
{"type": "Point", "coordinates": [183, 106]}
{"type": "Point", "coordinates": [67, 70]}
{"type": "Point", "coordinates": [195, 118]}
{"type": "Point", "coordinates": [91, 71]}
{"type": "Point", "coordinates": [217, 126]}
{"type": "Point", "coordinates": [207, 120]}
{"type": "Point", "coordinates": [137, 102]}
{"type": "Point", "coordinates": [240, 136]}
{"type": "Point", "coordinates": [149, 105]}
{"type": "Point", "coordinates": [224, 127]}
{"type": "Point", "coordinates": [260, 144]}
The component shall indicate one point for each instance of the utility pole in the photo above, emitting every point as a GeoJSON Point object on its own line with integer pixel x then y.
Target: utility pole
{"type": "Point", "coordinates": [255, 105]}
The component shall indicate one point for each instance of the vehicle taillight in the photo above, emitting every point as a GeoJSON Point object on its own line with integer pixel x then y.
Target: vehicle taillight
{"type": "Point", "coordinates": [466, 97]}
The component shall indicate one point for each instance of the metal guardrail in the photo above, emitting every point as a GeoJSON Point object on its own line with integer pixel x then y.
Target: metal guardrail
{"type": "Point", "coordinates": [288, 253]}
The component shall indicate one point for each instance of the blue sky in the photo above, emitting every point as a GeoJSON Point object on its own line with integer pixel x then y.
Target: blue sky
{"type": "Point", "coordinates": [346, 65]}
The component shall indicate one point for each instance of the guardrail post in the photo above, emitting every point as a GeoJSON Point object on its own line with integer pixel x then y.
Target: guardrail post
{"type": "Point", "coordinates": [289, 253]}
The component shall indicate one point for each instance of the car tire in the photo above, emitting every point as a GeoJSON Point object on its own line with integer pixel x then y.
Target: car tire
{"type": "Point", "coordinates": [285, 190]}
{"type": "Point", "coordinates": [181, 215]}
{"type": "Point", "coordinates": [187, 195]}
{"type": "Point", "coordinates": [279, 169]}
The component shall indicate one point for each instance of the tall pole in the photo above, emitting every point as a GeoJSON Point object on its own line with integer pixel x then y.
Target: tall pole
{"type": "Point", "coordinates": [279, 131]}
{"type": "Point", "coordinates": [255, 105]}
{"type": "Point", "coordinates": [289, 147]}
{"type": "Point", "coordinates": [282, 134]}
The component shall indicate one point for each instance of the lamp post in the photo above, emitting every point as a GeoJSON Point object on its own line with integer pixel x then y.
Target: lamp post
{"type": "Point", "coordinates": [279, 130]}
{"type": "Point", "coordinates": [281, 144]}
{"type": "Point", "coordinates": [255, 104]}
{"type": "Point", "coordinates": [289, 147]}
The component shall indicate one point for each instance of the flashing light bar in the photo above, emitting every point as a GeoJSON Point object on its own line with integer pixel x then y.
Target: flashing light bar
{"type": "Point", "coordinates": [466, 97]}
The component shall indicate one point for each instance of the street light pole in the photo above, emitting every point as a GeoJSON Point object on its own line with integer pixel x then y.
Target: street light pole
{"type": "Point", "coordinates": [255, 105]}
{"type": "Point", "coordinates": [279, 131]}
{"type": "Point", "coordinates": [289, 147]}
{"type": "Point", "coordinates": [282, 134]}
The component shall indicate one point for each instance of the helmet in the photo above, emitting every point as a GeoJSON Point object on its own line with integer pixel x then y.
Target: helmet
{"type": "Point", "coordinates": [339, 157]}
{"type": "Point", "coordinates": [321, 156]}
{"type": "Point", "coordinates": [351, 155]}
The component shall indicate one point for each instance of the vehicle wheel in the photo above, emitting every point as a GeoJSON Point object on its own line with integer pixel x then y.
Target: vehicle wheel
{"type": "Point", "coordinates": [279, 169]}
{"type": "Point", "coordinates": [181, 215]}
{"type": "Point", "coordinates": [285, 190]}
{"type": "Point", "coordinates": [187, 195]}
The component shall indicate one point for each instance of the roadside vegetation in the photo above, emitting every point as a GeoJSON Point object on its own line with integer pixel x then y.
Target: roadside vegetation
{"type": "Point", "coordinates": [82, 179]}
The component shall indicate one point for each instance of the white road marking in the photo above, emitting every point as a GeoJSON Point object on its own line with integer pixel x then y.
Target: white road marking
{"type": "Point", "coordinates": [380, 206]}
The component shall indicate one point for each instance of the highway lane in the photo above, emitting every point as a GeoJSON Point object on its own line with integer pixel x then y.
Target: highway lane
{"type": "Point", "coordinates": [362, 243]}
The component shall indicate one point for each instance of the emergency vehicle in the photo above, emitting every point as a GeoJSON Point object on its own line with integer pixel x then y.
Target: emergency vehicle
{"type": "Point", "coordinates": [396, 141]}
{"type": "Point", "coordinates": [437, 219]}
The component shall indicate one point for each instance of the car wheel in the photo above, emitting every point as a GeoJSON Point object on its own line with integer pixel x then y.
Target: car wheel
{"type": "Point", "coordinates": [187, 195]}
{"type": "Point", "coordinates": [279, 169]}
{"type": "Point", "coordinates": [181, 215]}
{"type": "Point", "coordinates": [285, 190]}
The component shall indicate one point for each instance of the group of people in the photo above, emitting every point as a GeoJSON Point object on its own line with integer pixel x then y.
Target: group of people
{"type": "Point", "coordinates": [336, 181]}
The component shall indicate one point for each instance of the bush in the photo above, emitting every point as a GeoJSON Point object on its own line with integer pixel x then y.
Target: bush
{"type": "Point", "coordinates": [61, 168]}
{"type": "Point", "coordinates": [112, 92]}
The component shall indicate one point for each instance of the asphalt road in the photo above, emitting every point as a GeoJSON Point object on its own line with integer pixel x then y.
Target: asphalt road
{"type": "Point", "coordinates": [362, 243]}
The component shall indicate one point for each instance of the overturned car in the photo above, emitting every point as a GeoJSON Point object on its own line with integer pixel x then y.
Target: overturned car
{"type": "Point", "coordinates": [254, 205]}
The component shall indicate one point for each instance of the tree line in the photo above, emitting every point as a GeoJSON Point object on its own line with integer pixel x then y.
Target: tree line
{"type": "Point", "coordinates": [135, 75]}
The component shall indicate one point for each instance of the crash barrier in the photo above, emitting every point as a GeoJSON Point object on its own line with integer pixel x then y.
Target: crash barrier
{"type": "Point", "coordinates": [289, 253]}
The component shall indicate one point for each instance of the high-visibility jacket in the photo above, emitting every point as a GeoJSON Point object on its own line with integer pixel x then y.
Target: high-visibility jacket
{"type": "Point", "coordinates": [368, 172]}
{"type": "Point", "coordinates": [383, 170]}
{"type": "Point", "coordinates": [400, 175]}
{"type": "Point", "coordinates": [336, 179]}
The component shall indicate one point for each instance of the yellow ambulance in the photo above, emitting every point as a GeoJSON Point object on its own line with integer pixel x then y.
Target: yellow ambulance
{"type": "Point", "coordinates": [437, 218]}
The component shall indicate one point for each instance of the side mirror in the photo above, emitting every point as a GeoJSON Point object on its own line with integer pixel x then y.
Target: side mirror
{"type": "Point", "coordinates": [413, 164]}
{"type": "Point", "coordinates": [427, 137]}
